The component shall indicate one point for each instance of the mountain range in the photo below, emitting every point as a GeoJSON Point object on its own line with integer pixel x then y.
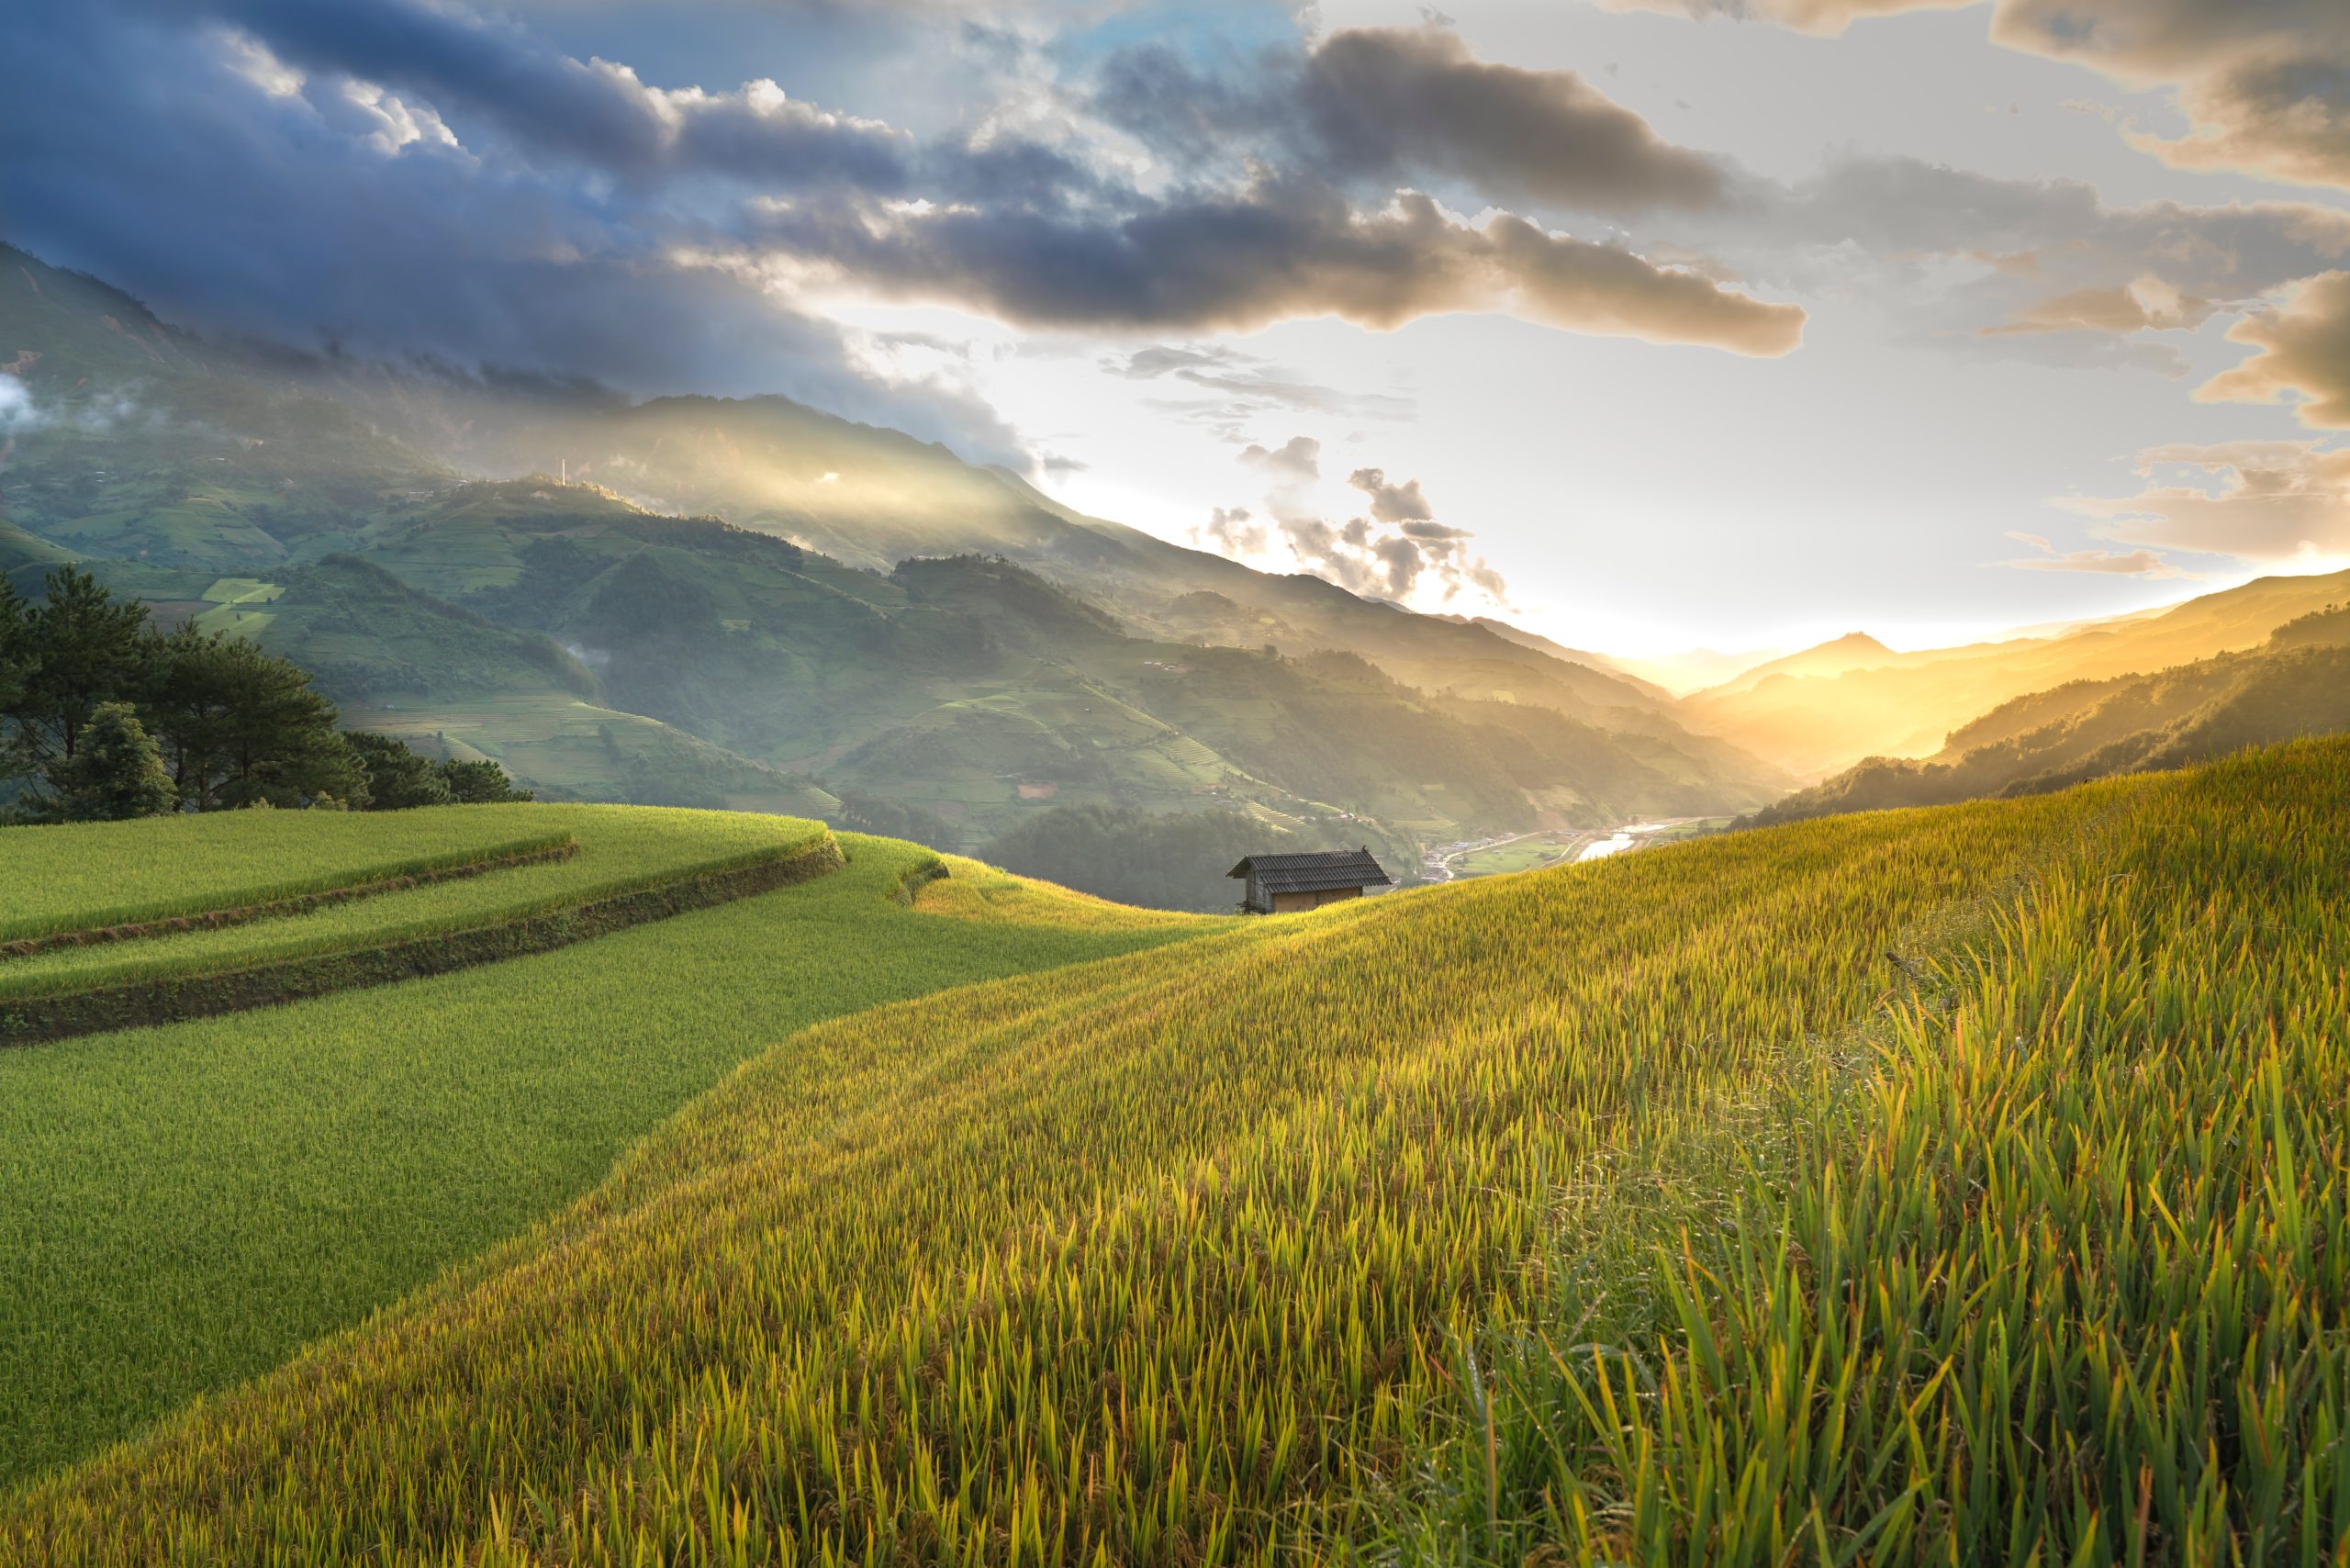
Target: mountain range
{"type": "Point", "coordinates": [753, 604]}
{"type": "Point", "coordinates": [2295, 684]}
{"type": "Point", "coordinates": [1826, 709]}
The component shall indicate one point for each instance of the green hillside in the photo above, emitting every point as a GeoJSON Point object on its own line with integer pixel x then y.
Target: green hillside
{"type": "Point", "coordinates": [1728, 1202]}
{"type": "Point", "coordinates": [2296, 684]}
{"type": "Point", "coordinates": [750, 604]}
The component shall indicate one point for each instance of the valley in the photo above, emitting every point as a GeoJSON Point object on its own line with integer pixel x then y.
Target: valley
{"type": "Point", "coordinates": [917, 645]}
{"type": "Point", "coordinates": [1043, 784]}
{"type": "Point", "coordinates": [938, 649]}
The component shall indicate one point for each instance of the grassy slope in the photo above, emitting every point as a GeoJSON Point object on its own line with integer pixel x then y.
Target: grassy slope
{"type": "Point", "coordinates": [2054, 1271]}
{"type": "Point", "coordinates": [1156, 1259]}
{"type": "Point", "coordinates": [187, 1204]}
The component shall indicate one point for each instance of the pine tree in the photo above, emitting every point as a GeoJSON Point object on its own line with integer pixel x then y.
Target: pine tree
{"type": "Point", "coordinates": [398, 778]}
{"type": "Point", "coordinates": [85, 649]}
{"type": "Point", "coordinates": [116, 771]}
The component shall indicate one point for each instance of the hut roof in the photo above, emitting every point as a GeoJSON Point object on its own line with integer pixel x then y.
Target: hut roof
{"type": "Point", "coordinates": [1313, 871]}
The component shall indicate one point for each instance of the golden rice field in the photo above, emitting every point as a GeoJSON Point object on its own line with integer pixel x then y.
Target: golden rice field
{"type": "Point", "coordinates": [1643, 1210]}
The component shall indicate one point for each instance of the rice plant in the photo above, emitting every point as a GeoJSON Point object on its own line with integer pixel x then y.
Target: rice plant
{"type": "Point", "coordinates": [2059, 1271]}
{"type": "Point", "coordinates": [1164, 1258]}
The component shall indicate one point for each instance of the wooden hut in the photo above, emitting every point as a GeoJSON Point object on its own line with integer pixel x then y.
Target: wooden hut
{"type": "Point", "coordinates": [1282, 884]}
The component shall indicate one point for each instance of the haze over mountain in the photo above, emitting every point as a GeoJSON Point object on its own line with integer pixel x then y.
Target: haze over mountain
{"type": "Point", "coordinates": [1856, 702]}
{"type": "Point", "coordinates": [853, 624]}
{"type": "Point", "coordinates": [2297, 683]}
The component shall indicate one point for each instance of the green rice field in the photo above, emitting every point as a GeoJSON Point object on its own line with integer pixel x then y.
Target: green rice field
{"type": "Point", "coordinates": [187, 1204]}
{"type": "Point", "coordinates": [83, 876]}
{"type": "Point", "coordinates": [620, 849]}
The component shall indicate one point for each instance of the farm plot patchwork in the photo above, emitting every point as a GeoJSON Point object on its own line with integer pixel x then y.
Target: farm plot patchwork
{"type": "Point", "coordinates": [187, 1204]}
{"type": "Point", "coordinates": [619, 850]}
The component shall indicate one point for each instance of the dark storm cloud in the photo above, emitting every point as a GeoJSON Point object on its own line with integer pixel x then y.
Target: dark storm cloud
{"type": "Point", "coordinates": [140, 150]}
{"type": "Point", "coordinates": [1383, 106]}
{"type": "Point", "coordinates": [490, 73]}
{"type": "Point", "coordinates": [1234, 261]}
{"type": "Point", "coordinates": [415, 180]}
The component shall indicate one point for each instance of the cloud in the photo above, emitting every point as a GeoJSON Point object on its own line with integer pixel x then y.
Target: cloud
{"type": "Point", "coordinates": [419, 179]}
{"type": "Point", "coordinates": [1400, 553]}
{"type": "Point", "coordinates": [2266, 502]}
{"type": "Point", "coordinates": [1819, 18]}
{"type": "Point", "coordinates": [495, 75]}
{"type": "Point", "coordinates": [1249, 384]}
{"type": "Point", "coordinates": [241, 207]}
{"type": "Point", "coordinates": [1390, 503]}
{"type": "Point", "coordinates": [2145, 304]}
{"type": "Point", "coordinates": [2260, 82]}
{"type": "Point", "coordinates": [1380, 106]}
{"type": "Point", "coordinates": [2304, 347]}
{"type": "Point", "coordinates": [2128, 564]}
{"type": "Point", "coordinates": [2041, 269]}
{"type": "Point", "coordinates": [1379, 561]}
{"type": "Point", "coordinates": [1244, 260]}
{"type": "Point", "coordinates": [2262, 85]}
{"type": "Point", "coordinates": [1234, 532]}
{"type": "Point", "coordinates": [1290, 471]}
{"type": "Point", "coordinates": [1297, 460]}
{"type": "Point", "coordinates": [17, 412]}
{"type": "Point", "coordinates": [1386, 102]}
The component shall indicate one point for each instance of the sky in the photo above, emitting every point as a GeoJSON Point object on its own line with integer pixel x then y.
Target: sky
{"type": "Point", "coordinates": [1651, 324]}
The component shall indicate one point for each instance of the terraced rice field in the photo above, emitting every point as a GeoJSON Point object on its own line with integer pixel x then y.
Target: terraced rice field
{"type": "Point", "coordinates": [186, 1205]}
{"type": "Point", "coordinates": [620, 849]}
{"type": "Point", "coordinates": [84, 876]}
{"type": "Point", "coordinates": [1945, 1186]}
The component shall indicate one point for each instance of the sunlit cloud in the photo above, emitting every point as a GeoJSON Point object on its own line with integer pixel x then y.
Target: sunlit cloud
{"type": "Point", "coordinates": [2263, 503]}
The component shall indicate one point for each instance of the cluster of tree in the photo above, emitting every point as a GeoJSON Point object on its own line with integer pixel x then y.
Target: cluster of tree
{"type": "Point", "coordinates": [898, 819]}
{"type": "Point", "coordinates": [102, 716]}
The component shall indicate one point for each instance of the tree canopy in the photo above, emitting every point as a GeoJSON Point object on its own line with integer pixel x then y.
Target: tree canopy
{"type": "Point", "coordinates": [183, 721]}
